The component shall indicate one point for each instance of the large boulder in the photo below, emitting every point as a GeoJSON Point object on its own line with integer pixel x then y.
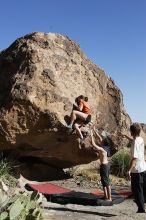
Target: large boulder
{"type": "Point", "coordinates": [40, 77]}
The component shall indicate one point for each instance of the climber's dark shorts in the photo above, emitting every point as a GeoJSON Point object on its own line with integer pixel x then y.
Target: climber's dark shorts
{"type": "Point", "coordinates": [88, 119]}
{"type": "Point", "coordinates": [104, 174]}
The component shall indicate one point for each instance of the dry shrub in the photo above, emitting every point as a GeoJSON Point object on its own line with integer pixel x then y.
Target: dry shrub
{"type": "Point", "coordinates": [119, 163]}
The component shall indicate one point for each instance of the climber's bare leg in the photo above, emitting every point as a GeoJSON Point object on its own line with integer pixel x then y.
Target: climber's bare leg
{"type": "Point", "coordinates": [77, 126]}
{"type": "Point", "coordinates": [77, 115]}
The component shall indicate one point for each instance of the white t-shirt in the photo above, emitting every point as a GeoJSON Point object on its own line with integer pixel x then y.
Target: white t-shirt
{"type": "Point", "coordinates": [137, 151]}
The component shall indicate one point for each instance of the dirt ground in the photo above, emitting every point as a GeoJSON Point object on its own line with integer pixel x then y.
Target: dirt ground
{"type": "Point", "coordinates": [123, 211]}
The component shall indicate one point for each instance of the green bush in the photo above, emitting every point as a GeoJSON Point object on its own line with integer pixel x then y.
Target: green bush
{"type": "Point", "coordinates": [119, 163]}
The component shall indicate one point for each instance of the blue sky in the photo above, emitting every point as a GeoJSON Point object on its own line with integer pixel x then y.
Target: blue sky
{"type": "Point", "coordinates": [112, 33]}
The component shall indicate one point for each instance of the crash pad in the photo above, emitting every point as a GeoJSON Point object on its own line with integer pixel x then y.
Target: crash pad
{"type": "Point", "coordinates": [48, 188]}
{"type": "Point", "coordinates": [125, 193]}
{"type": "Point", "coordinates": [61, 195]}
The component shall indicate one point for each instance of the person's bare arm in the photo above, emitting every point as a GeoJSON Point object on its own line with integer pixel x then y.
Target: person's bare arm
{"type": "Point", "coordinates": [126, 136]}
{"type": "Point", "coordinates": [97, 135]}
{"type": "Point", "coordinates": [80, 106]}
{"type": "Point", "coordinates": [132, 165]}
{"type": "Point", "coordinates": [98, 148]}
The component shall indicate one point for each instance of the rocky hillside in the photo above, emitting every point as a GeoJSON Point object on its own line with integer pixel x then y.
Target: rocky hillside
{"type": "Point", "coordinates": [143, 132]}
{"type": "Point", "coordinates": [40, 77]}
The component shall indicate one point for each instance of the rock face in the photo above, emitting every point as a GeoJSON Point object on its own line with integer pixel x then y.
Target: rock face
{"type": "Point", "coordinates": [143, 132]}
{"type": "Point", "coordinates": [40, 77]}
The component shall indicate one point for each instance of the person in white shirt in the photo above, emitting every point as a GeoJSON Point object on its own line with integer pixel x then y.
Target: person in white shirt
{"type": "Point", "coordinates": [137, 168]}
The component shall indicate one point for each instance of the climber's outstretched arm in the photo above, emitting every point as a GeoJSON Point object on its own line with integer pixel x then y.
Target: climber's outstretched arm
{"type": "Point", "coordinates": [98, 148]}
{"type": "Point", "coordinates": [97, 135]}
